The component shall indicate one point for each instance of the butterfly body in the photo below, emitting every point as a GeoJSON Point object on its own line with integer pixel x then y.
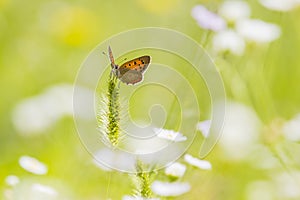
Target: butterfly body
{"type": "Point", "coordinates": [131, 72]}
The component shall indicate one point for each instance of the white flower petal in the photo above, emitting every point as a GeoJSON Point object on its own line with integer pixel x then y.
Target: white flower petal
{"type": "Point", "coordinates": [287, 185]}
{"type": "Point", "coordinates": [170, 135]}
{"type": "Point", "coordinates": [149, 145]}
{"type": "Point", "coordinates": [207, 19]}
{"type": "Point", "coordinates": [229, 40]}
{"type": "Point", "coordinates": [204, 127]}
{"type": "Point", "coordinates": [202, 164]}
{"type": "Point", "coordinates": [35, 114]}
{"type": "Point", "coordinates": [240, 132]}
{"type": "Point", "coordinates": [62, 98]}
{"type": "Point", "coordinates": [280, 5]}
{"type": "Point", "coordinates": [43, 189]}
{"type": "Point", "coordinates": [32, 165]}
{"type": "Point", "coordinates": [258, 31]}
{"type": "Point", "coordinates": [291, 129]}
{"type": "Point", "coordinates": [12, 180]}
{"type": "Point", "coordinates": [29, 118]}
{"type": "Point", "coordinates": [234, 10]}
{"type": "Point", "coordinates": [170, 189]}
{"type": "Point", "coordinates": [175, 170]}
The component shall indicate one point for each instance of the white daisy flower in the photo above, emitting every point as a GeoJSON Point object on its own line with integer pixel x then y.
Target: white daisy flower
{"type": "Point", "coordinates": [229, 40]}
{"type": "Point", "coordinates": [234, 10]}
{"type": "Point", "coordinates": [291, 129]}
{"type": "Point", "coordinates": [61, 97]}
{"type": "Point", "coordinates": [175, 170]}
{"type": "Point", "coordinates": [148, 145]}
{"type": "Point", "coordinates": [170, 135]}
{"type": "Point", "coordinates": [29, 116]}
{"type": "Point", "coordinates": [207, 19]}
{"type": "Point", "coordinates": [280, 5]}
{"type": "Point", "coordinates": [32, 165]}
{"type": "Point", "coordinates": [202, 164]}
{"type": "Point", "coordinates": [170, 189]}
{"type": "Point", "coordinates": [287, 185]}
{"type": "Point", "coordinates": [44, 190]}
{"type": "Point", "coordinates": [258, 31]}
{"type": "Point", "coordinates": [240, 132]}
{"type": "Point", "coordinates": [35, 114]}
{"type": "Point", "coordinates": [204, 127]}
{"type": "Point", "coordinates": [12, 180]}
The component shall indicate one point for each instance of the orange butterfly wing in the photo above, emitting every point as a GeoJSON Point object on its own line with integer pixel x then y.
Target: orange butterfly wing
{"type": "Point", "coordinates": [130, 72]}
{"type": "Point", "coordinates": [139, 64]}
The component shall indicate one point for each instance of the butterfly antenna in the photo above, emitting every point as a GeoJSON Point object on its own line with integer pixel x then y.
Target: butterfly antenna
{"type": "Point", "coordinates": [105, 54]}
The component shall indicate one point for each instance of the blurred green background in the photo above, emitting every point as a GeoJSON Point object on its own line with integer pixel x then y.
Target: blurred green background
{"type": "Point", "coordinates": [43, 43]}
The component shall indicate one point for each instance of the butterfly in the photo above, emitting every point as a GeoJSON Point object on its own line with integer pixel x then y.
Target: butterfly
{"type": "Point", "coordinates": [131, 72]}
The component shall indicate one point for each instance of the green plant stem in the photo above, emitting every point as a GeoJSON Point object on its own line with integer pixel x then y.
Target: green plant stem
{"type": "Point", "coordinates": [143, 181]}
{"type": "Point", "coordinates": [113, 126]}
